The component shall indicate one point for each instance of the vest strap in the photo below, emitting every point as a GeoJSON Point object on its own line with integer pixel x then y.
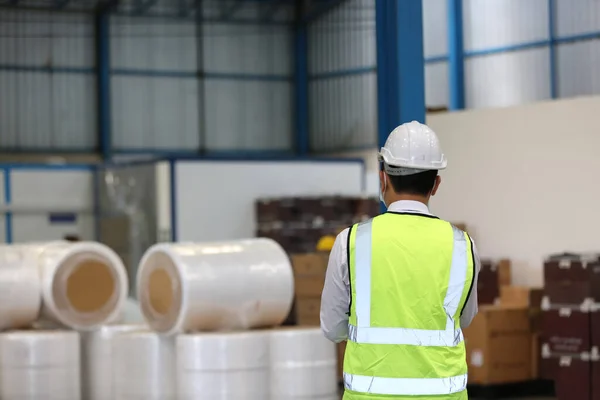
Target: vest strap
{"type": "Point", "coordinates": [405, 386]}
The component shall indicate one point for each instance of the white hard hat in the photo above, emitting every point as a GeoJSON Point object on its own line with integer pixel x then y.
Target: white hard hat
{"type": "Point", "coordinates": [412, 148]}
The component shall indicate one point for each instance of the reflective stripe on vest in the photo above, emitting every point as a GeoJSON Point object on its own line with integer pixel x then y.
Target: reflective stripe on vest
{"type": "Point", "coordinates": [363, 333]}
{"type": "Point", "coordinates": [405, 386]}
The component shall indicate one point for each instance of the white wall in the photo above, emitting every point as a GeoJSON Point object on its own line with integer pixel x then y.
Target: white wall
{"type": "Point", "coordinates": [522, 179]}
{"type": "Point", "coordinates": [215, 200]}
{"type": "Point", "coordinates": [35, 192]}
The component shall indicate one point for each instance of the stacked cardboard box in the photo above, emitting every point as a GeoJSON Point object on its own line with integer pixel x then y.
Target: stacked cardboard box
{"type": "Point", "coordinates": [492, 276]}
{"type": "Point", "coordinates": [571, 325]}
{"type": "Point", "coordinates": [529, 299]}
{"type": "Point", "coordinates": [309, 277]}
{"type": "Point", "coordinates": [297, 223]}
{"type": "Point", "coordinates": [499, 345]}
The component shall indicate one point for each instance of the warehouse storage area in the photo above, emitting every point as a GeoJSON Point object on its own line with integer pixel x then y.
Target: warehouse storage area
{"type": "Point", "coordinates": [177, 177]}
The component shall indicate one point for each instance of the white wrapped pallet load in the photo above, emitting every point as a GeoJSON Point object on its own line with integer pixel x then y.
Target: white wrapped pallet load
{"type": "Point", "coordinates": [303, 364]}
{"type": "Point", "coordinates": [236, 285]}
{"type": "Point", "coordinates": [97, 361]}
{"type": "Point", "coordinates": [84, 284]}
{"type": "Point", "coordinates": [144, 366]}
{"type": "Point", "coordinates": [223, 366]}
{"type": "Point", "coordinates": [20, 290]}
{"type": "Point", "coordinates": [40, 365]}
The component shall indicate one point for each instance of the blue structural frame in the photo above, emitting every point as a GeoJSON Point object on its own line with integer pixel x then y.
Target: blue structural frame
{"type": "Point", "coordinates": [456, 55]}
{"type": "Point", "coordinates": [400, 65]}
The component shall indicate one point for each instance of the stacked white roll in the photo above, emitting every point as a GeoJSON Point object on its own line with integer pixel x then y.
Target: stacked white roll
{"type": "Point", "coordinates": [40, 365]}
{"type": "Point", "coordinates": [83, 284]}
{"type": "Point", "coordinates": [303, 365]}
{"type": "Point", "coordinates": [223, 366]}
{"type": "Point", "coordinates": [97, 361]}
{"type": "Point", "coordinates": [144, 366]}
{"type": "Point", "coordinates": [20, 290]}
{"type": "Point", "coordinates": [233, 285]}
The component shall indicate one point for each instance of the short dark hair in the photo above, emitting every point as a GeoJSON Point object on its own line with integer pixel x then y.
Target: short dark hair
{"type": "Point", "coordinates": [419, 184]}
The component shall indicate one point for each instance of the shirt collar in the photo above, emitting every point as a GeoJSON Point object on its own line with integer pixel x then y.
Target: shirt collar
{"type": "Point", "coordinates": [409, 206]}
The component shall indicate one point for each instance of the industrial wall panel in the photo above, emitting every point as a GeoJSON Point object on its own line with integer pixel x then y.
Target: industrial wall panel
{"type": "Point", "coordinates": [576, 17]}
{"type": "Point", "coordinates": [435, 27]}
{"type": "Point", "coordinates": [508, 78]}
{"type": "Point", "coordinates": [344, 39]}
{"type": "Point", "coordinates": [39, 39]}
{"type": "Point", "coordinates": [499, 23]}
{"type": "Point", "coordinates": [248, 115]}
{"type": "Point", "coordinates": [436, 84]}
{"type": "Point", "coordinates": [47, 111]}
{"type": "Point", "coordinates": [155, 113]}
{"type": "Point", "coordinates": [151, 44]}
{"type": "Point", "coordinates": [343, 112]}
{"type": "Point", "coordinates": [578, 66]}
{"type": "Point", "coordinates": [247, 49]}
{"type": "Point", "coordinates": [46, 83]}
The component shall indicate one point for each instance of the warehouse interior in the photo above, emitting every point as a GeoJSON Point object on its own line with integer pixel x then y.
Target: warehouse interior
{"type": "Point", "coordinates": [142, 138]}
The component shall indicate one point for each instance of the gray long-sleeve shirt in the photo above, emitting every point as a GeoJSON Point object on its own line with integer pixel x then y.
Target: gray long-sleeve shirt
{"type": "Point", "coordinates": [335, 300]}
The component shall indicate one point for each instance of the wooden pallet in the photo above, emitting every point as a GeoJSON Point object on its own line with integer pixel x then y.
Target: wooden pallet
{"type": "Point", "coordinates": [512, 390]}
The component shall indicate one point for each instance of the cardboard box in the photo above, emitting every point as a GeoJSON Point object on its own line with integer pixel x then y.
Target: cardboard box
{"type": "Point", "coordinates": [310, 263]}
{"type": "Point", "coordinates": [504, 273]}
{"type": "Point", "coordinates": [521, 296]}
{"type": "Point", "coordinates": [308, 311]}
{"type": "Point", "coordinates": [536, 355]}
{"type": "Point", "coordinates": [499, 346]}
{"type": "Point", "coordinates": [309, 285]}
{"type": "Point", "coordinates": [308, 319]}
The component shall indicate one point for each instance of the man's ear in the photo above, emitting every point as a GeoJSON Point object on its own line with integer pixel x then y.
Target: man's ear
{"type": "Point", "coordinates": [436, 185]}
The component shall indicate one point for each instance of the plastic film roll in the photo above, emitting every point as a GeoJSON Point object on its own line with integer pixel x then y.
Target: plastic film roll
{"type": "Point", "coordinates": [84, 284]}
{"type": "Point", "coordinates": [39, 365]}
{"type": "Point", "coordinates": [20, 290]}
{"type": "Point", "coordinates": [303, 364]}
{"type": "Point", "coordinates": [144, 366]}
{"type": "Point", "coordinates": [97, 361]}
{"type": "Point", "coordinates": [50, 348]}
{"type": "Point", "coordinates": [215, 286]}
{"type": "Point", "coordinates": [223, 366]}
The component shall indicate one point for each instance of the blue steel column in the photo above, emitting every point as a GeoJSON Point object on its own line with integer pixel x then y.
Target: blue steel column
{"type": "Point", "coordinates": [456, 55]}
{"type": "Point", "coordinates": [552, 48]}
{"type": "Point", "coordinates": [301, 88]}
{"type": "Point", "coordinates": [400, 64]}
{"type": "Point", "coordinates": [102, 50]}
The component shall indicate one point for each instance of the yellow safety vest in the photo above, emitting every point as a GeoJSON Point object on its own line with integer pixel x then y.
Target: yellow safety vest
{"type": "Point", "coordinates": [410, 277]}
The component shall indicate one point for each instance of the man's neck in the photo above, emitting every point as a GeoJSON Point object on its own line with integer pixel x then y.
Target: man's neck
{"type": "Point", "coordinates": [409, 197]}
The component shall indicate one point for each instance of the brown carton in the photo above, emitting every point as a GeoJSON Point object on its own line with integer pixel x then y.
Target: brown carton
{"type": "Point", "coordinates": [308, 310]}
{"type": "Point", "coordinates": [521, 296]}
{"type": "Point", "coordinates": [499, 346]}
{"type": "Point", "coordinates": [310, 263]}
{"type": "Point", "coordinates": [536, 355]}
{"type": "Point", "coordinates": [526, 297]}
{"type": "Point", "coordinates": [309, 285]}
